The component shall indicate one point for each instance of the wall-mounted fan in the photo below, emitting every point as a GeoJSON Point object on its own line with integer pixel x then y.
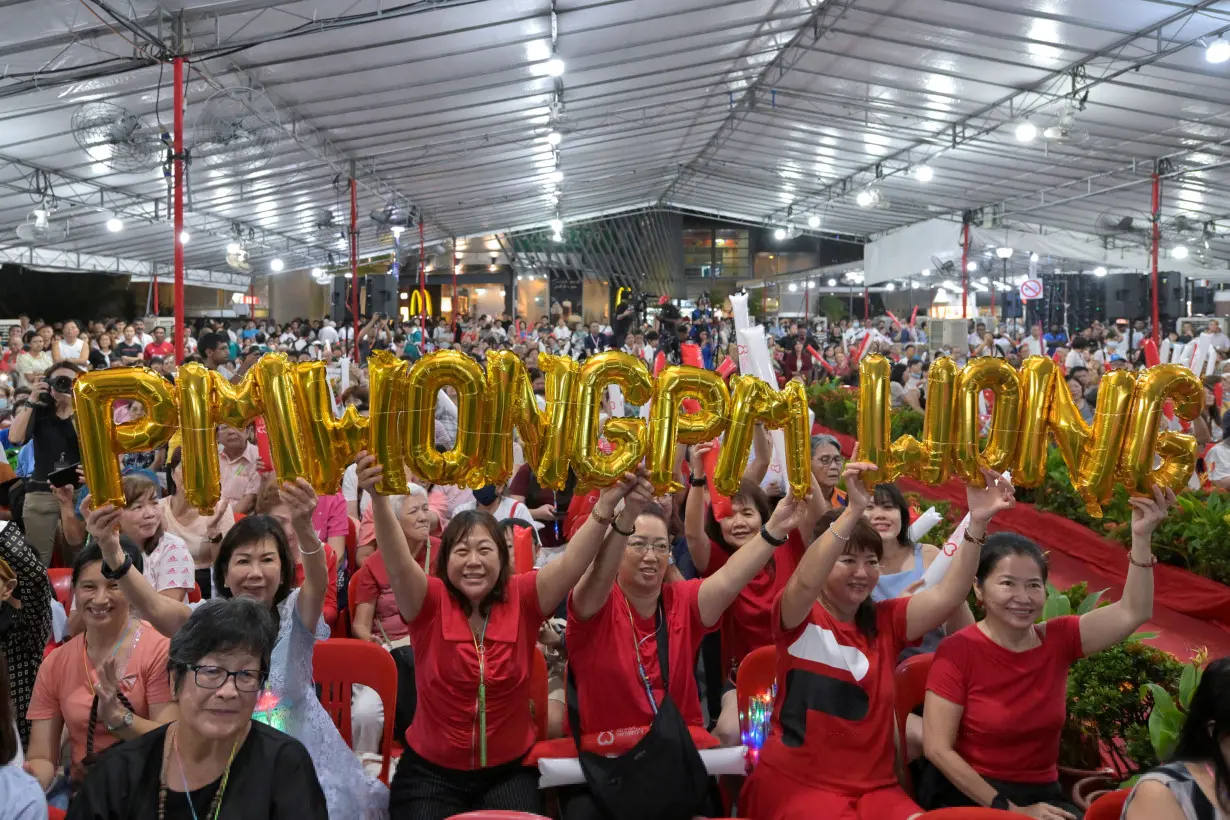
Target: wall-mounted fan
{"type": "Point", "coordinates": [1064, 128]}
{"type": "Point", "coordinates": [238, 129]}
{"type": "Point", "coordinates": [943, 268]}
{"type": "Point", "coordinates": [394, 215]}
{"type": "Point", "coordinates": [40, 229]}
{"type": "Point", "coordinates": [1124, 226]}
{"type": "Point", "coordinates": [117, 138]}
{"type": "Point", "coordinates": [238, 260]}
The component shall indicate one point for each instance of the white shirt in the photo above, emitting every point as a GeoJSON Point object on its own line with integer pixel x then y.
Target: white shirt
{"type": "Point", "coordinates": [974, 340]}
{"type": "Point", "coordinates": [327, 334]}
{"type": "Point", "coordinates": [1217, 461]}
{"type": "Point", "coordinates": [508, 508]}
{"type": "Point", "coordinates": [72, 351]}
{"type": "Point", "coordinates": [145, 339]}
{"type": "Point", "coordinates": [170, 565]}
{"type": "Point", "coordinates": [1218, 340]}
{"type": "Point", "coordinates": [1033, 347]}
{"type": "Point", "coordinates": [1074, 359]}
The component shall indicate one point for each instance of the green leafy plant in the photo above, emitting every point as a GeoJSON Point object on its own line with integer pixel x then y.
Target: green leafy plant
{"type": "Point", "coordinates": [1167, 717]}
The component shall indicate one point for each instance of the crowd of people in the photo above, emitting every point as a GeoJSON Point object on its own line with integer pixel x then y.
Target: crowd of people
{"type": "Point", "coordinates": [179, 680]}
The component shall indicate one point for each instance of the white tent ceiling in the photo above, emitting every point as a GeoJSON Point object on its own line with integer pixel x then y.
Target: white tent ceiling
{"type": "Point", "coordinates": [765, 111]}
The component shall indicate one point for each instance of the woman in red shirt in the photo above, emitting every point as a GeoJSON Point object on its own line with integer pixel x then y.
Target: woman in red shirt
{"type": "Point", "coordinates": [997, 692]}
{"type": "Point", "coordinates": [612, 620]}
{"type": "Point", "coordinates": [712, 542]}
{"type": "Point", "coordinates": [830, 750]}
{"type": "Point", "coordinates": [474, 627]}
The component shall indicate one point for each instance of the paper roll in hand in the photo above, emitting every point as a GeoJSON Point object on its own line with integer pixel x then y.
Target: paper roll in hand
{"type": "Point", "coordinates": [924, 524]}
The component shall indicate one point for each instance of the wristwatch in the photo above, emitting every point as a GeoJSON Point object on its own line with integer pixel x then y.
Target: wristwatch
{"type": "Point", "coordinates": [119, 572]}
{"type": "Point", "coordinates": [1000, 801]}
{"type": "Point", "coordinates": [698, 482]}
{"type": "Point", "coordinates": [125, 722]}
{"type": "Point", "coordinates": [769, 539]}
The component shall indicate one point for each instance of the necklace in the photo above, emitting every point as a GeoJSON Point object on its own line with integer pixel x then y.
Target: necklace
{"type": "Point", "coordinates": [215, 805]}
{"type": "Point", "coordinates": [480, 649]}
{"type": "Point", "coordinates": [85, 654]}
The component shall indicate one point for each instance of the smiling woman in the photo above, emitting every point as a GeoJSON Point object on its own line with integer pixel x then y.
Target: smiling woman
{"type": "Point", "coordinates": [215, 757]}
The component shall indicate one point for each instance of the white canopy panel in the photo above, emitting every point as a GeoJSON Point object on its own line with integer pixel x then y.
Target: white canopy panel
{"type": "Point", "coordinates": [770, 111]}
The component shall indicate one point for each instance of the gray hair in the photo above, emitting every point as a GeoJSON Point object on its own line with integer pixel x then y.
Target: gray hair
{"type": "Point", "coordinates": [222, 625]}
{"type": "Point", "coordinates": [822, 439]}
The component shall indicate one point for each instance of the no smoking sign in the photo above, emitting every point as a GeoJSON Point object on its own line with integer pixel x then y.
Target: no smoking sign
{"type": "Point", "coordinates": [1031, 289]}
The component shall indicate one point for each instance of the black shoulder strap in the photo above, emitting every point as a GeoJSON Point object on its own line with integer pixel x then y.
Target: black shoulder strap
{"type": "Point", "coordinates": [570, 692]}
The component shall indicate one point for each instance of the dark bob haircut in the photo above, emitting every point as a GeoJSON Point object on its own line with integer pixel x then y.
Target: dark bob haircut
{"type": "Point", "coordinates": [249, 530]}
{"type": "Point", "coordinates": [862, 539]}
{"type": "Point", "coordinates": [458, 529]}
{"type": "Point", "coordinates": [221, 625]}
{"type": "Point", "coordinates": [750, 495]}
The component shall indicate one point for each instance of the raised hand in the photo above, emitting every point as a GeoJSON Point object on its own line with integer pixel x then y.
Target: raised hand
{"type": "Point", "coordinates": [367, 471]}
{"type": "Point", "coordinates": [856, 492]}
{"type": "Point", "coordinates": [696, 458]}
{"type": "Point", "coordinates": [786, 515]}
{"type": "Point", "coordinates": [1148, 512]}
{"type": "Point", "coordinates": [638, 496]}
{"type": "Point", "coordinates": [103, 523]}
{"type": "Point", "coordinates": [985, 502]}
{"type": "Point", "coordinates": [213, 527]}
{"type": "Point", "coordinates": [301, 499]}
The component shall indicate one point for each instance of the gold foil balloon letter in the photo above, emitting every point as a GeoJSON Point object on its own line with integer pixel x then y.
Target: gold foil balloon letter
{"type": "Point", "coordinates": [546, 435]}
{"type": "Point", "coordinates": [103, 441]}
{"type": "Point", "coordinates": [1038, 379]}
{"type": "Point", "coordinates": [752, 401]}
{"type": "Point", "coordinates": [593, 468]}
{"type": "Point", "coordinates": [874, 418]}
{"type": "Point", "coordinates": [669, 424]}
{"type": "Point", "coordinates": [427, 376]}
{"type": "Point", "coordinates": [331, 442]}
{"type": "Point", "coordinates": [996, 375]}
{"type": "Point", "coordinates": [1143, 441]}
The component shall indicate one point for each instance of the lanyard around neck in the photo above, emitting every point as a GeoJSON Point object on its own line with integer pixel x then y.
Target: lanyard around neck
{"type": "Point", "coordinates": [636, 653]}
{"type": "Point", "coordinates": [480, 650]}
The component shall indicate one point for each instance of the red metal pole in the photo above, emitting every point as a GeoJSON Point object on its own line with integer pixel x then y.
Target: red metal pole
{"type": "Point", "coordinates": [155, 286]}
{"type": "Point", "coordinates": [1157, 239]}
{"type": "Point", "coordinates": [354, 262]}
{"type": "Point", "coordinates": [177, 147]}
{"type": "Point", "coordinates": [866, 304]}
{"type": "Point", "coordinates": [453, 262]}
{"type": "Point", "coordinates": [964, 270]}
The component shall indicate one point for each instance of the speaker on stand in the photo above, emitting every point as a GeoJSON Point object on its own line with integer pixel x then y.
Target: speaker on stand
{"type": "Point", "coordinates": [381, 295]}
{"type": "Point", "coordinates": [339, 302]}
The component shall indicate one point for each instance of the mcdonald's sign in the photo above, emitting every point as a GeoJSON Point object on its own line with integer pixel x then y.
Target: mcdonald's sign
{"type": "Point", "coordinates": [420, 298]}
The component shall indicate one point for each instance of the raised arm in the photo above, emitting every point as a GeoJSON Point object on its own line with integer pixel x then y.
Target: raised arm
{"type": "Point", "coordinates": [762, 454]}
{"type": "Point", "coordinates": [720, 589]}
{"type": "Point", "coordinates": [808, 579]}
{"type": "Point", "coordinates": [406, 577]}
{"type": "Point", "coordinates": [166, 614]}
{"type": "Point", "coordinates": [301, 498]}
{"type": "Point", "coordinates": [1106, 626]}
{"type": "Point", "coordinates": [594, 588]}
{"type": "Point", "coordinates": [694, 510]}
{"type": "Point", "coordinates": [931, 607]}
{"type": "Point", "coordinates": [561, 575]}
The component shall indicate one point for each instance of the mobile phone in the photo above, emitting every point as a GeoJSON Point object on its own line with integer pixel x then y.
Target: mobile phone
{"type": "Point", "coordinates": [64, 477]}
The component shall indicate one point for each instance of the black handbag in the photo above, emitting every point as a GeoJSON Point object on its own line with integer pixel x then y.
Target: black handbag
{"type": "Point", "coordinates": [662, 777]}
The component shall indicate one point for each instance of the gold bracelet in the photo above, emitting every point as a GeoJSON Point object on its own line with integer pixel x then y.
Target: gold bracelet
{"type": "Point", "coordinates": [982, 542]}
{"type": "Point", "coordinates": [605, 521]}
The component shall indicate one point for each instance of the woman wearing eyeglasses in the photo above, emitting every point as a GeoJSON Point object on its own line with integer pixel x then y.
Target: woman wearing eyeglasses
{"type": "Point", "coordinates": [622, 620]}
{"type": "Point", "coordinates": [215, 760]}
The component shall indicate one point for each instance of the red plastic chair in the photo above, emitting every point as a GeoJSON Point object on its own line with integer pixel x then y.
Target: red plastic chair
{"type": "Point", "coordinates": [194, 594]}
{"type": "Point", "coordinates": [1109, 806]}
{"type": "Point", "coordinates": [523, 550]}
{"type": "Point", "coordinates": [909, 691]}
{"type": "Point", "coordinates": [501, 815]}
{"type": "Point", "coordinates": [55, 814]}
{"type": "Point", "coordinates": [62, 583]}
{"type": "Point", "coordinates": [538, 692]}
{"type": "Point", "coordinates": [968, 813]}
{"type": "Point", "coordinates": [340, 663]}
{"type": "Point", "coordinates": [757, 674]}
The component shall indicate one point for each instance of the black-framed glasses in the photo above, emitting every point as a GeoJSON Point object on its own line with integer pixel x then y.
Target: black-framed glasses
{"type": "Point", "coordinates": [826, 461]}
{"type": "Point", "coordinates": [214, 677]}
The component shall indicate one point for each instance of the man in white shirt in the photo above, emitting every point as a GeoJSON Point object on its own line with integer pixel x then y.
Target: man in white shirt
{"type": "Point", "coordinates": [327, 333]}
{"type": "Point", "coordinates": [1033, 345]}
{"type": "Point", "coordinates": [1217, 339]}
{"type": "Point", "coordinates": [975, 338]}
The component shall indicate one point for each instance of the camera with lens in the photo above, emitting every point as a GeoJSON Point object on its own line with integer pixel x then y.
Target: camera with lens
{"type": "Point", "coordinates": [60, 384]}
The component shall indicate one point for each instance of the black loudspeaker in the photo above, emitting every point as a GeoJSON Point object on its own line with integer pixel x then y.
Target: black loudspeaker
{"type": "Point", "coordinates": [1203, 303]}
{"type": "Point", "coordinates": [1170, 302]}
{"type": "Point", "coordinates": [1127, 296]}
{"type": "Point", "coordinates": [381, 295]}
{"type": "Point", "coordinates": [338, 304]}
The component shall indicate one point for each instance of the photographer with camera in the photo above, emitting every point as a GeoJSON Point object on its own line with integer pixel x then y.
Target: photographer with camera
{"type": "Point", "coordinates": [46, 419]}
